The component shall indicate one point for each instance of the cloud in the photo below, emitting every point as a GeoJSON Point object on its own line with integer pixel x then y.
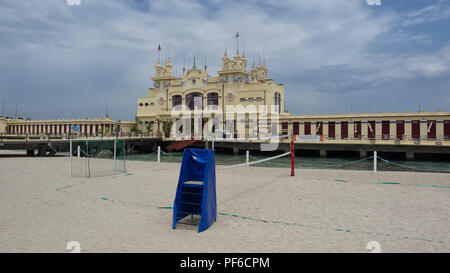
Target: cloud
{"type": "Point", "coordinates": [434, 12]}
{"type": "Point", "coordinates": [73, 61]}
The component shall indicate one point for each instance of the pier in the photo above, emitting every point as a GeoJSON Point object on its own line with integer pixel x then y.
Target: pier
{"type": "Point", "coordinates": [49, 146]}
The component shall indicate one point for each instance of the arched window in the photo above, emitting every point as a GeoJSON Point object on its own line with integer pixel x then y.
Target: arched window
{"type": "Point", "coordinates": [176, 100]}
{"type": "Point", "coordinates": [213, 99]}
{"type": "Point", "coordinates": [190, 100]}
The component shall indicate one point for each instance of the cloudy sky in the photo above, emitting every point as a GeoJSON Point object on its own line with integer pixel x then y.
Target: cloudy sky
{"type": "Point", "coordinates": [62, 61]}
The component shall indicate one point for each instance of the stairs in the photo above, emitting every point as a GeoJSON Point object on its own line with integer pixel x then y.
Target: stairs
{"type": "Point", "coordinates": [190, 202]}
{"type": "Point", "coordinates": [178, 145]}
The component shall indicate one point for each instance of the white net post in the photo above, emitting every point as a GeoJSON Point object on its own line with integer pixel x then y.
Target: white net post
{"type": "Point", "coordinates": [375, 161]}
{"type": "Point", "coordinates": [159, 154]}
{"type": "Point", "coordinates": [247, 157]}
{"type": "Point", "coordinates": [70, 153]}
{"type": "Point", "coordinates": [124, 159]}
{"type": "Point", "coordinates": [88, 167]}
{"type": "Point", "coordinates": [115, 153]}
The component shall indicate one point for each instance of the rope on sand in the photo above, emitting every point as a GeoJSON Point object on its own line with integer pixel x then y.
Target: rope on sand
{"type": "Point", "coordinates": [391, 183]}
{"type": "Point", "coordinates": [63, 189]}
{"type": "Point", "coordinates": [320, 227]}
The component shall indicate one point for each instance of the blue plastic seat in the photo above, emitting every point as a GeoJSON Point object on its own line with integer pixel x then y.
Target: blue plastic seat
{"type": "Point", "coordinates": [196, 190]}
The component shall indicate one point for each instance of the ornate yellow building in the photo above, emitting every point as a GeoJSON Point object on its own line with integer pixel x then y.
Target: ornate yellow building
{"type": "Point", "coordinates": [234, 85]}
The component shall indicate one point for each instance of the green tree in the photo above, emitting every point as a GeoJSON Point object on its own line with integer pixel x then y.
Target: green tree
{"type": "Point", "coordinates": [167, 127]}
{"type": "Point", "coordinates": [135, 129]}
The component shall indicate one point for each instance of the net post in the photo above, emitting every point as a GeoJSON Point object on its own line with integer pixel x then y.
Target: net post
{"type": "Point", "coordinates": [124, 161]}
{"type": "Point", "coordinates": [247, 157]}
{"type": "Point", "coordinates": [115, 152]}
{"type": "Point", "coordinates": [88, 164]}
{"type": "Point", "coordinates": [159, 154]}
{"type": "Point", "coordinates": [70, 152]}
{"type": "Point", "coordinates": [292, 158]}
{"type": "Point", "coordinates": [375, 161]}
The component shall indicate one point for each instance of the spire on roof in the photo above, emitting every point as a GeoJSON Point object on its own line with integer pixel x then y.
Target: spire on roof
{"type": "Point", "coordinates": [237, 43]}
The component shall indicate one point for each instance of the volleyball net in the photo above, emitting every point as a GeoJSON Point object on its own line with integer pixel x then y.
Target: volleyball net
{"type": "Point", "coordinates": [371, 163]}
{"type": "Point", "coordinates": [97, 157]}
{"type": "Point", "coordinates": [248, 163]}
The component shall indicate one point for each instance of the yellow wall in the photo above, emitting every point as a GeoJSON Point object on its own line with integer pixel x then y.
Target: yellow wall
{"type": "Point", "coordinates": [3, 123]}
{"type": "Point", "coordinates": [233, 84]}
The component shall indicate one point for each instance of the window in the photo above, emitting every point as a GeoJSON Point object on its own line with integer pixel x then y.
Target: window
{"type": "Point", "coordinates": [242, 99]}
{"type": "Point", "coordinates": [157, 84]}
{"type": "Point", "coordinates": [140, 104]}
{"type": "Point", "coordinates": [250, 99]}
{"type": "Point", "coordinates": [191, 98]}
{"type": "Point", "coordinates": [176, 100]}
{"type": "Point", "coordinates": [152, 103]}
{"type": "Point", "coordinates": [213, 99]}
{"type": "Point", "coordinates": [146, 104]}
{"type": "Point", "coordinates": [223, 78]}
{"type": "Point", "coordinates": [259, 98]}
{"type": "Point", "coordinates": [194, 81]}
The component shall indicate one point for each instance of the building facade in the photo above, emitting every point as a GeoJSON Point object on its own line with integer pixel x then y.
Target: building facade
{"type": "Point", "coordinates": [4, 124]}
{"type": "Point", "coordinates": [233, 86]}
{"type": "Point", "coordinates": [430, 127]}
{"type": "Point", "coordinates": [87, 127]}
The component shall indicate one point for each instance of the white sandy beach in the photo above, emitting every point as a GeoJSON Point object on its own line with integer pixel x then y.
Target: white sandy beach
{"type": "Point", "coordinates": [42, 208]}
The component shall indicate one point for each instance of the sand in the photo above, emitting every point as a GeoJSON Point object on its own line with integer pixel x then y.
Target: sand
{"type": "Point", "coordinates": [42, 209]}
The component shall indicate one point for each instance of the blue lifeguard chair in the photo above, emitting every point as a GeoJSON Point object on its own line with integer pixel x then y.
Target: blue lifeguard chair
{"type": "Point", "coordinates": [196, 191]}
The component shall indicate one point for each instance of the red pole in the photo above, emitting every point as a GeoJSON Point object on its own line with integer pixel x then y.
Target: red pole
{"type": "Point", "coordinates": [292, 159]}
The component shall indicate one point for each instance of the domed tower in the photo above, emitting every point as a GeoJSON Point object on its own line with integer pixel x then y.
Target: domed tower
{"type": "Point", "coordinates": [234, 69]}
{"type": "Point", "coordinates": [162, 79]}
{"type": "Point", "coordinates": [261, 72]}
